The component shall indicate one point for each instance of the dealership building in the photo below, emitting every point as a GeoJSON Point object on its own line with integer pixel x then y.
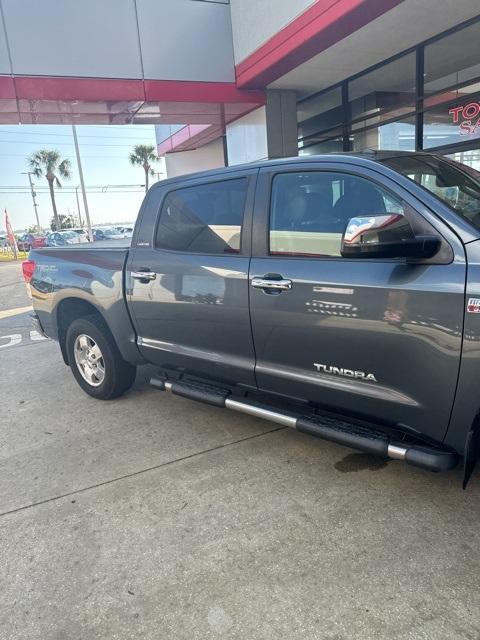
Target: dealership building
{"type": "Point", "coordinates": [227, 82]}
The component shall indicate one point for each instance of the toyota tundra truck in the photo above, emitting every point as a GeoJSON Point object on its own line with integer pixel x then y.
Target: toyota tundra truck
{"type": "Point", "coordinates": [338, 295]}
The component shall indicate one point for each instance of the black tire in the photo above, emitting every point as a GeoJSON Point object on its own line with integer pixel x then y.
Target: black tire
{"type": "Point", "coordinates": [118, 374]}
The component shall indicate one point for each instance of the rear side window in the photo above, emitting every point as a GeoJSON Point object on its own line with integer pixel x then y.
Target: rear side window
{"type": "Point", "coordinates": [205, 218]}
{"type": "Point", "coordinates": [310, 210]}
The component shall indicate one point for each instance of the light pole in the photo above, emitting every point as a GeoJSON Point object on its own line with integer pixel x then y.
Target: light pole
{"type": "Point", "coordinates": [78, 207]}
{"type": "Point", "coordinates": [82, 184]}
{"type": "Point", "coordinates": [34, 195]}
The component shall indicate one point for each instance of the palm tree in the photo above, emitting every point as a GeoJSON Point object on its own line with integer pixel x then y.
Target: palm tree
{"type": "Point", "coordinates": [48, 163]}
{"type": "Point", "coordinates": [143, 155]}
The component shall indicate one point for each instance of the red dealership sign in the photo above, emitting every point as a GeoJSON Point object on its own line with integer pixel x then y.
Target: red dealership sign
{"type": "Point", "coordinates": [467, 117]}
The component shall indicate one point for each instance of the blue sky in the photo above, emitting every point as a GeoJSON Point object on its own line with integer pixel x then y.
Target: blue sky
{"type": "Point", "coordinates": [104, 151]}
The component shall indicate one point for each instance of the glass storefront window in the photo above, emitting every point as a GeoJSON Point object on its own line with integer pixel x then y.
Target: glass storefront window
{"type": "Point", "coordinates": [332, 145]}
{"type": "Point", "coordinates": [381, 107]}
{"type": "Point", "coordinates": [399, 135]}
{"type": "Point", "coordinates": [319, 137]}
{"type": "Point", "coordinates": [388, 88]}
{"type": "Point", "coordinates": [320, 112]}
{"type": "Point", "coordinates": [461, 95]}
{"type": "Point", "coordinates": [452, 124]}
{"type": "Point", "coordinates": [452, 61]}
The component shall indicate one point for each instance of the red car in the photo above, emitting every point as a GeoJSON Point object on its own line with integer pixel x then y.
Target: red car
{"type": "Point", "coordinates": [31, 241]}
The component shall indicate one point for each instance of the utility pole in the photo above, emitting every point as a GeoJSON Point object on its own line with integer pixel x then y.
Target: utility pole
{"type": "Point", "coordinates": [78, 207]}
{"type": "Point", "coordinates": [82, 184]}
{"type": "Point", "coordinates": [34, 195]}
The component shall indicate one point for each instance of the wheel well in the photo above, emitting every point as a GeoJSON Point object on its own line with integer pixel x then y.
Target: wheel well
{"type": "Point", "coordinates": [69, 310]}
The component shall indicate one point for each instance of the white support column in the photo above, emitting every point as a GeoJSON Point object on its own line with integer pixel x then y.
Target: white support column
{"type": "Point", "coordinates": [182, 162]}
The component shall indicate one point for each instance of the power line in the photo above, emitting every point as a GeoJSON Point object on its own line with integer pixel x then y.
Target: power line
{"type": "Point", "coordinates": [91, 186]}
{"type": "Point", "coordinates": [22, 155]}
{"type": "Point", "coordinates": [66, 135]}
{"type": "Point", "coordinates": [90, 127]}
{"type": "Point", "coordinates": [68, 192]}
{"type": "Point", "coordinates": [69, 144]}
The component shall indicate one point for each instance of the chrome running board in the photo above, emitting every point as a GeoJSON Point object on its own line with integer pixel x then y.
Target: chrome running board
{"type": "Point", "coordinates": [349, 434]}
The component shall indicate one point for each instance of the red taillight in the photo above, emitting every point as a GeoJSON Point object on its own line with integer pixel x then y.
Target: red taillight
{"type": "Point", "coordinates": [28, 267]}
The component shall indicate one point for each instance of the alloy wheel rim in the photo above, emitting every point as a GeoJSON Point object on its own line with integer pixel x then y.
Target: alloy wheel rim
{"type": "Point", "coordinates": [89, 360]}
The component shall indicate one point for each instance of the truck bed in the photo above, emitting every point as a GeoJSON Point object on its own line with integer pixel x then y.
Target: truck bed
{"type": "Point", "coordinates": [70, 280]}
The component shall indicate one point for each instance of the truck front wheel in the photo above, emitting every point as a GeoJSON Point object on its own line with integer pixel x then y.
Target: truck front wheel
{"type": "Point", "coordinates": [95, 360]}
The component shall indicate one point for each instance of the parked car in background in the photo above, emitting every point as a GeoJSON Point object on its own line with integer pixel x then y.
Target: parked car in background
{"type": "Point", "coordinates": [106, 233]}
{"type": "Point", "coordinates": [63, 238]}
{"type": "Point", "coordinates": [29, 241]}
{"type": "Point", "coordinates": [82, 233]}
{"type": "Point", "coordinates": [126, 231]}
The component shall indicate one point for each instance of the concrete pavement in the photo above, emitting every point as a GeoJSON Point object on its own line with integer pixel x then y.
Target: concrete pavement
{"type": "Point", "coordinates": [155, 517]}
{"type": "Point", "coordinates": [12, 288]}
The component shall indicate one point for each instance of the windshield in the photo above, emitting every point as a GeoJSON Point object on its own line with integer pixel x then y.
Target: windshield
{"type": "Point", "coordinates": [454, 183]}
{"type": "Point", "coordinates": [68, 234]}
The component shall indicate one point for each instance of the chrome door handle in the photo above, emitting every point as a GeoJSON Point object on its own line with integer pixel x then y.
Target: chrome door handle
{"type": "Point", "coordinates": [267, 283]}
{"type": "Point", "coordinates": [143, 275]}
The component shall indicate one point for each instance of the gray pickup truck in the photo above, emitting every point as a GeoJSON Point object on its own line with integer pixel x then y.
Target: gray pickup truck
{"type": "Point", "coordinates": [338, 295]}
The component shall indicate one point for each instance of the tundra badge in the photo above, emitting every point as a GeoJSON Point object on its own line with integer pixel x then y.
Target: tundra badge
{"type": "Point", "coordinates": [346, 373]}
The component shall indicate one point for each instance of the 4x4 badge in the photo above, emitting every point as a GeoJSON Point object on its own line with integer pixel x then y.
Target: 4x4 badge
{"type": "Point", "coordinates": [473, 305]}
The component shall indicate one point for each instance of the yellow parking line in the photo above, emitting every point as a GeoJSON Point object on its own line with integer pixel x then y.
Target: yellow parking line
{"type": "Point", "coordinates": [14, 312]}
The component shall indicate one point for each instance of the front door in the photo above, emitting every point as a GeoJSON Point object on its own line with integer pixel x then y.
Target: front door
{"type": "Point", "coordinates": [377, 339]}
{"type": "Point", "coordinates": [191, 309]}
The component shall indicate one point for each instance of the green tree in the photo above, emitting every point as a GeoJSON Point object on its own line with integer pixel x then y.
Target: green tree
{"type": "Point", "coordinates": [143, 155]}
{"type": "Point", "coordinates": [48, 163]}
{"type": "Point", "coordinates": [65, 222]}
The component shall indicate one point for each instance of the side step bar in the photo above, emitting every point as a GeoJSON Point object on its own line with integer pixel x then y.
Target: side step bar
{"type": "Point", "coordinates": [338, 431]}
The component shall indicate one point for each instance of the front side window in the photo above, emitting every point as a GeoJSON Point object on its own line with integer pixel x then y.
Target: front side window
{"type": "Point", "coordinates": [205, 218]}
{"type": "Point", "coordinates": [310, 210]}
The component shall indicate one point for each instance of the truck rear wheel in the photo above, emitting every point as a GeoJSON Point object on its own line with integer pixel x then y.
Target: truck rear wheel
{"type": "Point", "coordinates": [95, 360]}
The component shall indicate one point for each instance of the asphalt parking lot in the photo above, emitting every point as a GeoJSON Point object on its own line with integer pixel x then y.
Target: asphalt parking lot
{"type": "Point", "coordinates": [155, 517]}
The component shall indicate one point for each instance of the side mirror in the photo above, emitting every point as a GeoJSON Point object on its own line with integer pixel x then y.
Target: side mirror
{"type": "Point", "coordinates": [386, 235]}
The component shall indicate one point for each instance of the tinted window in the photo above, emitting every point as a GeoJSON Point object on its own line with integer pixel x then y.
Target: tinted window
{"type": "Point", "coordinates": [206, 218]}
{"type": "Point", "coordinates": [309, 211]}
{"type": "Point", "coordinates": [454, 183]}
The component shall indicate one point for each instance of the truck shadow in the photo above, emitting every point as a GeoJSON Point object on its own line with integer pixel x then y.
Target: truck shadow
{"type": "Point", "coordinates": [360, 462]}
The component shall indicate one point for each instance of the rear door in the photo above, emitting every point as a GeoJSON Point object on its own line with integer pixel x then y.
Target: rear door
{"type": "Point", "coordinates": [191, 309]}
{"type": "Point", "coordinates": [379, 339]}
